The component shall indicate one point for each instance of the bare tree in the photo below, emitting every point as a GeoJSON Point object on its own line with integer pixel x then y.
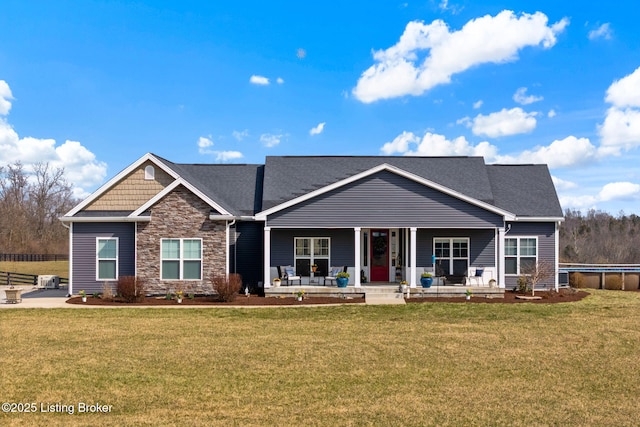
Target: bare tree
{"type": "Point", "coordinates": [535, 274]}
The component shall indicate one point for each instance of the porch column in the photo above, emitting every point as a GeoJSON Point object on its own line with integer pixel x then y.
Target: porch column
{"type": "Point", "coordinates": [500, 263]}
{"type": "Point", "coordinates": [412, 282]}
{"type": "Point", "coordinates": [556, 236]}
{"type": "Point", "coordinates": [356, 236]}
{"type": "Point", "coordinates": [267, 257]}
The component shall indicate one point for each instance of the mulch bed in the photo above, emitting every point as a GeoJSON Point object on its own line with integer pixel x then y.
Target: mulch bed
{"type": "Point", "coordinates": [241, 300]}
{"type": "Point", "coordinates": [510, 297]}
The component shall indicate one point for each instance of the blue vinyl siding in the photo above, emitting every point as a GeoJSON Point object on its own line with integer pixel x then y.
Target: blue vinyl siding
{"type": "Point", "coordinates": [84, 252]}
{"type": "Point", "coordinates": [385, 200]}
{"type": "Point", "coordinates": [544, 231]}
{"type": "Point", "coordinates": [341, 250]}
{"type": "Point", "coordinates": [246, 251]}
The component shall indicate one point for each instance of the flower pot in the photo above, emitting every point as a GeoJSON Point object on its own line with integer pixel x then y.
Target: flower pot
{"type": "Point", "coordinates": [275, 283]}
{"type": "Point", "coordinates": [299, 298]}
{"type": "Point", "coordinates": [84, 299]}
{"type": "Point", "coordinates": [179, 300]}
{"type": "Point", "coordinates": [468, 297]}
{"type": "Point", "coordinates": [342, 282]}
{"type": "Point", "coordinates": [426, 282]}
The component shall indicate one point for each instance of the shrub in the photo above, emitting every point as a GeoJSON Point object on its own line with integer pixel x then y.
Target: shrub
{"type": "Point", "coordinates": [131, 288]}
{"type": "Point", "coordinates": [523, 284]}
{"type": "Point", "coordinates": [613, 282]}
{"type": "Point", "coordinates": [227, 288]}
{"type": "Point", "coordinates": [576, 280]}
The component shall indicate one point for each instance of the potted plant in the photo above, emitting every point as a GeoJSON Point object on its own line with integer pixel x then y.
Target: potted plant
{"type": "Point", "coordinates": [275, 282]}
{"type": "Point", "coordinates": [342, 279]}
{"type": "Point", "coordinates": [426, 279]}
{"type": "Point", "coordinates": [299, 294]}
{"type": "Point", "coordinates": [468, 294]}
{"type": "Point", "coordinates": [492, 283]}
{"type": "Point", "coordinates": [314, 267]}
{"type": "Point", "coordinates": [179, 295]}
{"type": "Point", "coordinates": [403, 286]}
{"type": "Point", "coordinates": [83, 295]}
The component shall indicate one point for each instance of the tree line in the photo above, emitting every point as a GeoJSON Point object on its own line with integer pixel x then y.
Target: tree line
{"type": "Point", "coordinates": [600, 238]}
{"type": "Point", "coordinates": [30, 204]}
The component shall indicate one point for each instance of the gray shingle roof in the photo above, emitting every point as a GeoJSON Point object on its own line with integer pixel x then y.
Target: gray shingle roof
{"type": "Point", "coordinates": [245, 189]}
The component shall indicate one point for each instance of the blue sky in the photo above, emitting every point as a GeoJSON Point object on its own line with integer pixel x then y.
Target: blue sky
{"type": "Point", "coordinates": [93, 85]}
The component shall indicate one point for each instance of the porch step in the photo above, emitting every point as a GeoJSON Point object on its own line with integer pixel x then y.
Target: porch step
{"type": "Point", "coordinates": [384, 298]}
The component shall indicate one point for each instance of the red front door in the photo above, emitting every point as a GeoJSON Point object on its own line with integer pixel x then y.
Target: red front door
{"type": "Point", "coordinates": [379, 255]}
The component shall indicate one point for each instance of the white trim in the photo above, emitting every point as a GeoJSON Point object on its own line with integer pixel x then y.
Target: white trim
{"type": "Point", "coordinates": [262, 216]}
{"type": "Point", "coordinates": [168, 189]}
{"type": "Point", "coordinates": [105, 219]}
{"type": "Point", "coordinates": [413, 256]}
{"type": "Point", "coordinates": [132, 167]}
{"type": "Point", "coordinates": [538, 219]}
{"type": "Point", "coordinates": [356, 236]}
{"type": "Point", "coordinates": [98, 259]}
{"type": "Point", "coordinates": [70, 290]}
{"type": "Point", "coordinates": [556, 236]}
{"type": "Point", "coordinates": [501, 258]}
{"type": "Point", "coordinates": [267, 258]}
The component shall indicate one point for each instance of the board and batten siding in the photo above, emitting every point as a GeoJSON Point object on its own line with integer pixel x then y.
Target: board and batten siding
{"type": "Point", "coordinates": [387, 200]}
{"type": "Point", "coordinates": [246, 251]}
{"type": "Point", "coordinates": [84, 252]}
{"type": "Point", "coordinates": [544, 231]}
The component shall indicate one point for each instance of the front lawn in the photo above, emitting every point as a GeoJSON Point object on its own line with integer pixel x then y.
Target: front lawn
{"type": "Point", "coordinates": [438, 364]}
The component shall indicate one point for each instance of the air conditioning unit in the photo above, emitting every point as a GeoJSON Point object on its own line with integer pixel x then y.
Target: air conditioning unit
{"type": "Point", "coordinates": [48, 281]}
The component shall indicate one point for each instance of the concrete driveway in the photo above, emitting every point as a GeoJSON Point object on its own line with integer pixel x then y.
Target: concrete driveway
{"type": "Point", "coordinates": [37, 298]}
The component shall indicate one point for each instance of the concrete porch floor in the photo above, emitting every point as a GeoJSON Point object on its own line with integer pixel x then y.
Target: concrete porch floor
{"type": "Point", "coordinates": [385, 288]}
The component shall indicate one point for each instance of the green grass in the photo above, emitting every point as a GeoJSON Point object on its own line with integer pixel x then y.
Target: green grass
{"type": "Point", "coordinates": [436, 364]}
{"type": "Point", "coordinates": [57, 268]}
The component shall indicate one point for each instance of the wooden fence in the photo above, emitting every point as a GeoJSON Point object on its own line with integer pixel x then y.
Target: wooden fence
{"type": "Point", "coordinates": [10, 278]}
{"type": "Point", "coordinates": [624, 277]}
{"type": "Point", "coordinates": [33, 257]}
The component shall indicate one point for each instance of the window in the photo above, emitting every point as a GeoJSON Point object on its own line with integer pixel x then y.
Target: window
{"type": "Point", "coordinates": [520, 253]}
{"type": "Point", "coordinates": [452, 255]}
{"type": "Point", "coordinates": [149, 173]}
{"type": "Point", "coordinates": [107, 258]}
{"type": "Point", "coordinates": [181, 259]}
{"type": "Point", "coordinates": [309, 251]}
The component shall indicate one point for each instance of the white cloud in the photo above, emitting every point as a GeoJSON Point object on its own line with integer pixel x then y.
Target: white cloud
{"type": "Point", "coordinates": [270, 140]}
{"type": "Point", "coordinates": [432, 144]}
{"type": "Point", "coordinates": [5, 98]}
{"type": "Point", "coordinates": [224, 156]}
{"type": "Point", "coordinates": [502, 123]}
{"type": "Point", "coordinates": [564, 153]}
{"type": "Point", "coordinates": [551, 114]}
{"type": "Point", "coordinates": [522, 98]}
{"type": "Point", "coordinates": [488, 39]}
{"type": "Point", "coordinates": [280, 80]}
{"type": "Point", "coordinates": [563, 185]}
{"type": "Point", "coordinates": [621, 127]}
{"type": "Point", "coordinates": [609, 192]}
{"type": "Point", "coordinates": [478, 104]}
{"type": "Point", "coordinates": [259, 80]}
{"type": "Point", "coordinates": [626, 91]}
{"type": "Point", "coordinates": [602, 32]}
{"type": "Point", "coordinates": [240, 135]}
{"type": "Point", "coordinates": [204, 144]}
{"type": "Point", "coordinates": [318, 129]}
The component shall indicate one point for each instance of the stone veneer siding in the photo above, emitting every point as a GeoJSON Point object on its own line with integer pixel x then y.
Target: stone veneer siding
{"type": "Point", "coordinates": [180, 214]}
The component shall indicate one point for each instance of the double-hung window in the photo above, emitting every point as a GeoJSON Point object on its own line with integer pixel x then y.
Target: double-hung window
{"type": "Point", "coordinates": [521, 254]}
{"type": "Point", "coordinates": [452, 255]}
{"type": "Point", "coordinates": [310, 251]}
{"type": "Point", "coordinates": [181, 259]}
{"type": "Point", "coordinates": [106, 258]}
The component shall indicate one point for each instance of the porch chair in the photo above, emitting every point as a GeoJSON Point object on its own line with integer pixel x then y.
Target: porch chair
{"type": "Point", "coordinates": [288, 273]}
{"type": "Point", "coordinates": [333, 272]}
{"type": "Point", "coordinates": [477, 276]}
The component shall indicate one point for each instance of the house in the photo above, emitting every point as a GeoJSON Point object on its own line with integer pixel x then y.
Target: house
{"type": "Point", "coordinates": [385, 218]}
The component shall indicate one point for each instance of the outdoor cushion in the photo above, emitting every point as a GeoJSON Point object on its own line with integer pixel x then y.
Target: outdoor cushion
{"type": "Point", "coordinates": [289, 272]}
{"type": "Point", "coordinates": [334, 271]}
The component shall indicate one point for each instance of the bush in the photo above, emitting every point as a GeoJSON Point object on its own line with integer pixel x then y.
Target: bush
{"type": "Point", "coordinates": [523, 284]}
{"type": "Point", "coordinates": [107, 292]}
{"type": "Point", "coordinates": [576, 280]}
{"type": "Point", "coordinates": [613, 282]}
{"type": "Point", "coordinates": [131, 288]}
{"type": "Point", "coordinates": [227, 288]}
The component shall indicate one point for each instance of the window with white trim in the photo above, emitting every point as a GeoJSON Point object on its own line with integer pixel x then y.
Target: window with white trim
{"type": "Point", "coordinates": [181, 259]}
{"type": "Point", "coordinates": [452, 255]}
{"type": "Point", "coordinates": [107, 258]}
{"type": "Point", "coordinates": [310, 251]}
{"type": "Point", "coordinates": [520, 253]}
